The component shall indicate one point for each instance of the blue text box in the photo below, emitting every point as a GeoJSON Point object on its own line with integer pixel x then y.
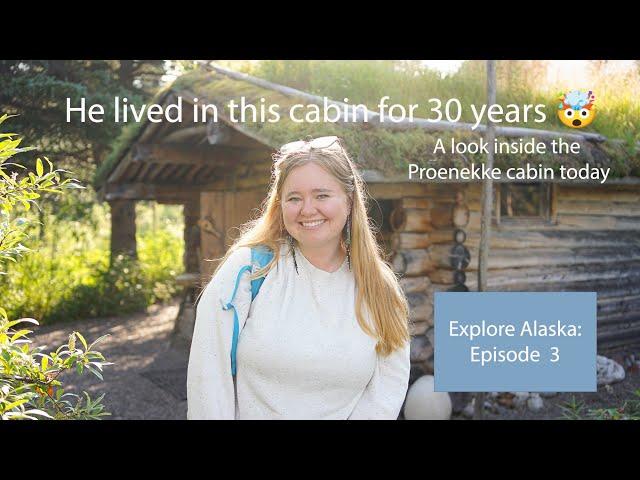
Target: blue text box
{"type": "Point", "coordinates": [487, 341]}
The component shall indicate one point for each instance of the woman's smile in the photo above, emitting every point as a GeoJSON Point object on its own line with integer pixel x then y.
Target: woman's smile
{"type": "Point", "coordinates": [312, 224]}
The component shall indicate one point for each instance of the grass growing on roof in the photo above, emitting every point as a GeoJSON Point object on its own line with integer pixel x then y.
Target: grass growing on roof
{"type": "Point", "coordinates": [391, 152]}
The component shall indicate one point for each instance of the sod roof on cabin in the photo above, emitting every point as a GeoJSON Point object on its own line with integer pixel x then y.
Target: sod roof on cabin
{"type": "Point", "coordinates": [374, 147]}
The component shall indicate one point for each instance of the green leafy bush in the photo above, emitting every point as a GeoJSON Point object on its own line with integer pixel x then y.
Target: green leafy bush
{"type": "Point", "coordinates": [629, 410]}
{"type": "Point", "coordinates": [29, 384]}
{"type": "Point", "coordinates": [70, 277]}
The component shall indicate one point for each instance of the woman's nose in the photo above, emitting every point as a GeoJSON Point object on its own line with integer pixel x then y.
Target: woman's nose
{"type": "Point", "coordinates": [308, 208]}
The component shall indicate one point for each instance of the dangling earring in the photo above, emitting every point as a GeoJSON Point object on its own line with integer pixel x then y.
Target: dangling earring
{"type": "Point", "coordinates": [293, 251]}
{"type": "Point", "coordinates": [348, 241]}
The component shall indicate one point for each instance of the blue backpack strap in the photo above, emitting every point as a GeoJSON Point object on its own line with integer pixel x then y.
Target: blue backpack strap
{"type": "Point", "coordinates": [236, 324]}
{"type": "Point", "coordinates": [260, 257]}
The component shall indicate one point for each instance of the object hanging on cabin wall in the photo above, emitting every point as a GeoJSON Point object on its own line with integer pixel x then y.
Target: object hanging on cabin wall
{"type": "Point", "coordinates": [460, 255]}
{"type": "Point", "coordinates": [207, 225]}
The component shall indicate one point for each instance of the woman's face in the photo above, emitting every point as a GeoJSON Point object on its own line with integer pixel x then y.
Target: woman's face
{"type": "Point", "coordinates": [314, 206]}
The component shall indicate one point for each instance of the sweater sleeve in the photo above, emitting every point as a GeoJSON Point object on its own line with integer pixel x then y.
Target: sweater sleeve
{"type": "Point", "coordinates": [383, 397]}
{"type": "Point", "coordinates": [210, 385]}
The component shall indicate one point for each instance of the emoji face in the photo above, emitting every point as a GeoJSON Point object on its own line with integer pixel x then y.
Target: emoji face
{"type": "Point", "coordinates": [576, 108]}
{"type": "Point", "coordinates": [577, 118]}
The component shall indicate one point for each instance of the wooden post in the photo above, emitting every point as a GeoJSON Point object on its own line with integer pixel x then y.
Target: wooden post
{"type": "Point", "coordinates": [191, 214]}
{"type": "Point", "coordinates": [487, 202]}
{"type": "Point", "coordinates": [123, 228]}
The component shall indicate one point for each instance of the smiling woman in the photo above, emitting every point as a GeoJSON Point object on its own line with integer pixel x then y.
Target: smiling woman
{"type": "Point", "coordinates": [315, 210]}
{"type": "Point", "coordinates": [327, 336]}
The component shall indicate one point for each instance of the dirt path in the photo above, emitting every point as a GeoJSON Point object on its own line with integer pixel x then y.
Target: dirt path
{"type": "Point", "coordinates": [148, 380]}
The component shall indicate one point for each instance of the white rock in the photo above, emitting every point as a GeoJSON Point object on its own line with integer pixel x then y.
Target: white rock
{"type": "Point", "coordinates": [609, 371]}
{"type": "Point", "coordinates": [423, 403]}
{"type": "Point", "coordinates": [520, 399]}
{"type": "Point", "coordinates": [535, 403]}
{"type": "Point", "coordinates": [469, 409]}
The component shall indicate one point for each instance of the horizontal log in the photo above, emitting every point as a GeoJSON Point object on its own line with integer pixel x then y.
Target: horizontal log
{"type": "Point", "coordinates": [621, 289]}
{"type": "Point", "coordinates": [150, 129]}
{"type": "Point", "coordinates": [415, 202]}
{"type": "Point", "coordinates": [610, 338]}
{"type": "Point", "coordinates": [410, 220]}
{"type": "Point", "coordinates": [450, 277]}
{"type": "Point", "coordinates": [420, 306]}
{"type": "Point", "coordinates": [531, 239]}
{"type": "Point", "coordinates": [415, 284]}
{"type": "Point", "coordinates": [412, 263]}
{"type": "Point", "coordinates": [596, 222]}
{"type": "Point", "coordinates": [396, 190]}
{"type": "Point", "coordinates": [564, 222]}
{"type": "Point", "coordinates": [601, 207]}
{"type": "Point", "coordinates": [438, 287]}
{"type": "Point", "coordinates": [418, 328]}
{"type": "Point", "coordinates": [219, 133]}
{"type": "Point", "coordinates": [185, 134]}
{"type": "Point", "coordinates": [621, 319]}
{"type": "Point", "coordinates": [442, 216]}
{"type": "Point", "coordinates": [409, 240]}
{"type": "Point", "coordinates": [237, 184]}
{"type": "Point", "coordinates": [147, 191]}
{"type": "Point", "coordinates": [518, 258]}
{"type": "Point", "coordinates": [180, 154]}
{"type": "Point", "coordinates": [599, 286]}
{"type": "Point", "coordinates": [260, 168]}
{"type": "Point", "coordinates": [619, 305]}
{"type": "Point", "coordinates": [583, 277]}
{"type": "Point", "coordinates": [418, 262]}
{"type": "Point", "coordinates": [628, 194]}
{"type": "Point", "coordinates": [421, 349]}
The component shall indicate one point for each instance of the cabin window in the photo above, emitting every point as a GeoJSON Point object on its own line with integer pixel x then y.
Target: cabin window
{"type": "Point", "coordinates": [517, 202]}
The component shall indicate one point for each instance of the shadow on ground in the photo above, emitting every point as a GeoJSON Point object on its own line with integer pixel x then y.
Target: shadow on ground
{"type": "Point", "coordinates": [148, 378]}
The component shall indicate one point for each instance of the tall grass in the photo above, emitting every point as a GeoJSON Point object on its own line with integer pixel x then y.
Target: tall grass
{"type": "Point", "coordinates": [68, 275]}
{"type": "Point", "coordinates": [519, 82]}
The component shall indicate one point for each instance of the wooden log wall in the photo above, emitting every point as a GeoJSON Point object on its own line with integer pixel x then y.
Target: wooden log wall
{"type": "Point", "coordinates": [592, 243]}
{"type": "Point", "coordinates": [221, 214]}
{"type": "Point", "coordinates": [428, 251]}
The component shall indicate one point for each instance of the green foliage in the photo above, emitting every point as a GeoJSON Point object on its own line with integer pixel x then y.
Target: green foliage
{"type": "Point", "coordinates": [38, 90]}
{"type": "Point", "coordinates": [573, 409]}
{"type": "Point", "coordinates": [519, 82]}
{"type": "Point", "coordinates": [29, 384]}
{"type": "Point", "coordinates": [22, 191]}
{"type": "Point", "coordinates": [630, 410]}
{"type": "Point", "coordinates": [70, 277]}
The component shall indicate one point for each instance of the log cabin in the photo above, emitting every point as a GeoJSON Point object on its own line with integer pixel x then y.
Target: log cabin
{"type": "Point", "coordinates": [549, 235]}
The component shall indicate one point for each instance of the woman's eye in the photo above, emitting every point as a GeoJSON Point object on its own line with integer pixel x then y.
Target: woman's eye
{"type": "Point", "coordinates": [294, 199]}
{"type": "Point", "coordinates": [323, 196]}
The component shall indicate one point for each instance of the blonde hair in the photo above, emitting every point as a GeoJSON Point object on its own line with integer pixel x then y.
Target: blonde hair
{"type": "Point", "coordinates": [377, 286]}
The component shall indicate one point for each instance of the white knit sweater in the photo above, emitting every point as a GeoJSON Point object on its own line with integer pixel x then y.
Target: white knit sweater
{"type": "Point", "coordinates": [301, 353]}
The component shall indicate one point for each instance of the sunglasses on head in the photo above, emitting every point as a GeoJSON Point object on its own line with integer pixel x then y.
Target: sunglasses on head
{"type": "Point", "coordinates": [320, 143]}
